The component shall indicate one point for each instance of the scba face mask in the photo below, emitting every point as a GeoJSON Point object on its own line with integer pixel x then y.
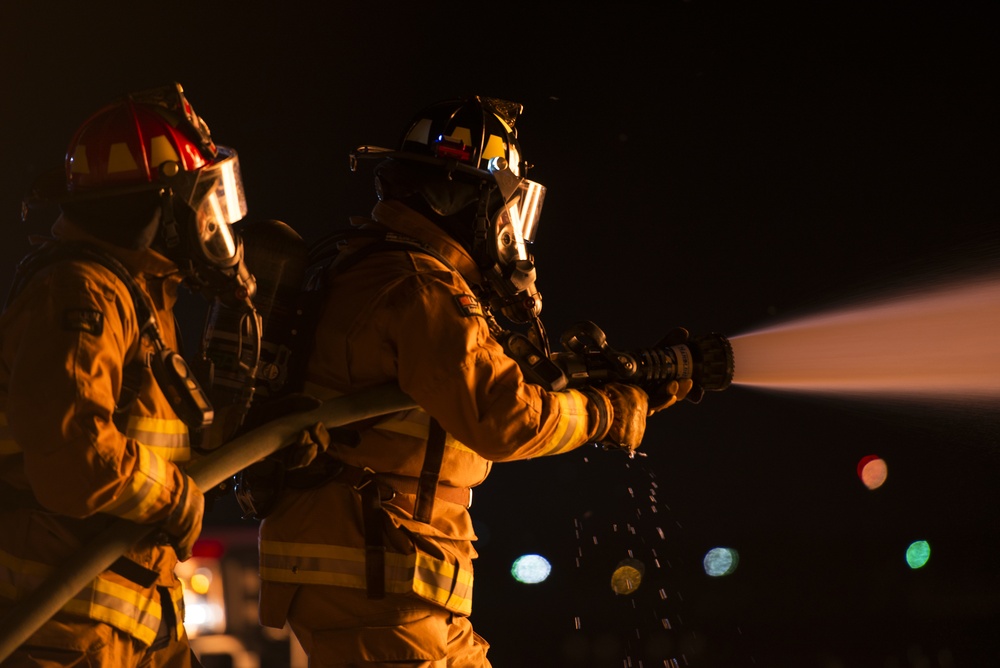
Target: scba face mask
{"type": "Point", "coordinates": [200, 211]}
{"type": "Point", "coordinates": [509, 267]}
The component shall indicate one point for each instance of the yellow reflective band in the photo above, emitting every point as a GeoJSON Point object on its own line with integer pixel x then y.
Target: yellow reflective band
{"type": "Point", "coordinates": [308, 563]}
{"type": "Point", "coordinates": [144, 489]}
{"type": "Point", "coordinates": [570, 429]}
{"type": "Point", "coordinates": [443, 583]}
{"type": "Point", "coordinates": [168, 438]}
{"type": "Point", "coordinates": [123, 607]}
{"type": "Point", "coordinates": [126, 609]}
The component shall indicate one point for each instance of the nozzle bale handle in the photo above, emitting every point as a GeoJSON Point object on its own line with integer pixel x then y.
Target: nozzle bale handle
{"type": "Point", "coordinates": [705, 359]}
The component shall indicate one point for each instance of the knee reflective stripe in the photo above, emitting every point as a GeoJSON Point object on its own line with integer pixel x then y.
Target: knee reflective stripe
{"type": "Point", "coordinates": [443, 583]}
{"type": "Point", "coordinates": [168, 438]}
{"type": "Point", "coordinates": [125, 608]}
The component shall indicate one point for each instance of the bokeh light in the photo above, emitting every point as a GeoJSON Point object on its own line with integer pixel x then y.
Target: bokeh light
{"type": "Point", "coordinates": [531, 569]}
{"type": "Point", "coordinates": [720, 561]}
{"type": "Point", "coordinates": [873, 471]}
{"type": "Point", "coordinates": [627, 576]}
{"type": "Point", "coordinates": [201, 580]}
{"type": "Point", "coordinates": [918, 554]}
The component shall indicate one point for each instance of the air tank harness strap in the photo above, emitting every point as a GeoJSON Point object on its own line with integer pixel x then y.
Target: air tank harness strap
{"type": "Point", "coordinates": [375, 488]}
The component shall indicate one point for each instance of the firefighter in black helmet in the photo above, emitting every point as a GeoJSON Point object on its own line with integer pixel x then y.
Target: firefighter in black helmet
{"type": "Point", "coordinates": [368, 554]}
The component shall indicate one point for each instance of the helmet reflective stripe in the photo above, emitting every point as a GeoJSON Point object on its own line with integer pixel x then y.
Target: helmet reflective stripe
{"type": "Point", "coordinates": [495, 149]}
{"type": "Point", "coordinates": [120, 159]}
{"type": "Point", "coordinates": [125, 143]}
{"type": "Point", "coordinates": [161, 151]}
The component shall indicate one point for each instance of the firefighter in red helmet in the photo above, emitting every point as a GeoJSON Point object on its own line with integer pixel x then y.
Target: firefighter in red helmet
{"type": "Point", "coordinates": [96, 405]}
{"type": "Point", "coordinates": [367, 554]}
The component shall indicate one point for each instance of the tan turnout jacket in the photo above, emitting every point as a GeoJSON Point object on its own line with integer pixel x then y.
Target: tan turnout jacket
{"type": "Point", "coordinates": [405, 317]}
{"type": "Point", "coordinates": [66, 470]}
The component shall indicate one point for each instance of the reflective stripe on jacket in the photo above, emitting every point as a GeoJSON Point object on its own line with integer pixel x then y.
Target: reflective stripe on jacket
{"type": "Point", "coordinates": [409, 318]}
{"type": "Point", "coordinates": [64, 344]}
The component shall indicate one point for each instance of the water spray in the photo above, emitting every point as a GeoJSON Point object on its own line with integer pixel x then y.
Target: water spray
{"type": "Point", "coordinates": [937, 344]}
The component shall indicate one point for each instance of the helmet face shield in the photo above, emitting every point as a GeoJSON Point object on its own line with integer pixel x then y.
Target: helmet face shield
{"type": "Point", "coordinates": [517, 221]}
{"type": "Point", "coordinates": [215, 196]}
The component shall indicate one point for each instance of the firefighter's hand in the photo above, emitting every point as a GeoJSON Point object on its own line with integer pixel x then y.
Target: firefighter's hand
{"type": "Point", "coordinates": [307, 446]}
{"type": "Point", "coordinates": [308, 443]}
{"type": "Point", "coordinates": [669, 394]}
{"type": "Point", "coordinates": [622, 411]}
{"type": "Point", "coordinates": [183, 526]}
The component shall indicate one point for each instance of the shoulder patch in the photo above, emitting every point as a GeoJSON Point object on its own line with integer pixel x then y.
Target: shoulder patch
{"type": "Point", "coordinates": [86, 320]}
{"type": "Point", "coordinates": [469, 305]}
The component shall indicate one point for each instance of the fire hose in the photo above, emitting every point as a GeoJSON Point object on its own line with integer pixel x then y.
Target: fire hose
{"type": "Point", "coordinates": [30, 613]}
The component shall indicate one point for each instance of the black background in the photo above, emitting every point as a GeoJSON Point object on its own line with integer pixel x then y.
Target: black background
{"type": "Point", "coordinates": [716, 166]}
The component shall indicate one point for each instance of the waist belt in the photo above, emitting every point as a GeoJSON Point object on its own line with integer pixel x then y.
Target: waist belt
{"type": "Point", "coordinates": [388, 484]}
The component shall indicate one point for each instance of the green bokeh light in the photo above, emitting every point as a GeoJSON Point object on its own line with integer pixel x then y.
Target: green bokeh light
{"type": "Point", "coordinates": [918, 553]}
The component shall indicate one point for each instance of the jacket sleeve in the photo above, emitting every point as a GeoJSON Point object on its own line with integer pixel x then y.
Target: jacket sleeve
{"type": "Point", "coordinates": [75, 327]}
{"type": "Point", "coordinates": [452, 367]}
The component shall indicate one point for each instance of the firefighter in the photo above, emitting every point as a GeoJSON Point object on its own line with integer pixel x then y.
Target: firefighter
{"type": "Point", "coordinates": [367, 554]}
{"type": "Point", "coordinates": [96, 404]}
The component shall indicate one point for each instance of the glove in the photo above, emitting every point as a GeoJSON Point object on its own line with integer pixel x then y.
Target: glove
{"type": "Point", "coordinates": [620, 415]}
{"type": "Point", "coordinates": [669, 394]}
{"type": "Point", "coordinates": [183, 525]}
{"type": "Point", "coordinates": [308, 444]}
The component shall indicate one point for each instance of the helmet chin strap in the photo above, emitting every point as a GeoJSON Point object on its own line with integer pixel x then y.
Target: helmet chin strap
{"type": "Point", "coordinates": [481, 235]}
{"type": "Point", "coordinates": [169, 233]}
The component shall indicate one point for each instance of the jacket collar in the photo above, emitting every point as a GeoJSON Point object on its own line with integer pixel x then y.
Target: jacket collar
{"type": "Point", "coordinates": [146, 261]}
{"type": "Point", "coordinates": [400, 218]}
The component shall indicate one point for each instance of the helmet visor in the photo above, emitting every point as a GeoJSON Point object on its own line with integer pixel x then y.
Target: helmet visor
{"type": "Point", "coordinates": [517, 222]}
{"type": "Point", "coordinates": [217, 199]}
{"type": "Point", "coordinates": [521, 213]}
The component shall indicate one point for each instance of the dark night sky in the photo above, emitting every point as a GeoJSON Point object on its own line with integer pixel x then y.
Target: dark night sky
{"type": "Point", "coordinates": [716, 166]}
